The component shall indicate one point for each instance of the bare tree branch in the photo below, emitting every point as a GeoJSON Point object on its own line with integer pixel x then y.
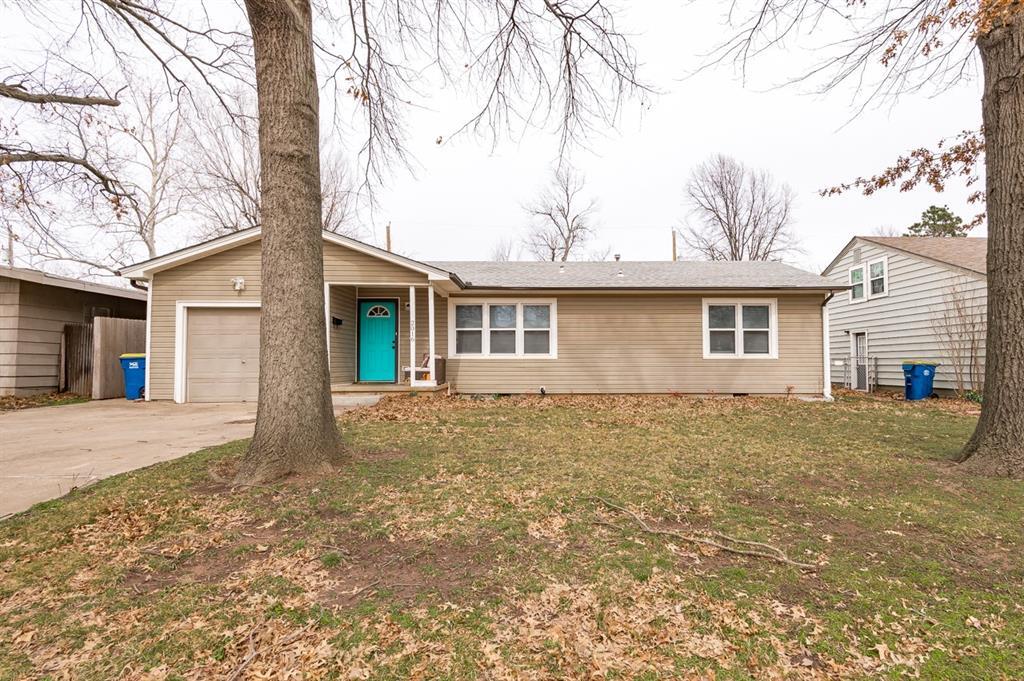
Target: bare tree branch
{"type": "Point", "coordinates": [10, 157]}
{"type": "Point", "coordinates": [740, 213]}
{"type": "Point", "coordinates": [19, 93]}
{"type": "Point", "coordinates": [530, 63]}
{"type": "Point", "coordinates": [960, 325]}
{"type": "Point", "coordinates": [138, 150]}
{"type": "Point", "coordinates": [224, 190]}
{"type": "Point", "coordinates": [504, 250]}
{"type": "Point", "coordinates": [561, 219]}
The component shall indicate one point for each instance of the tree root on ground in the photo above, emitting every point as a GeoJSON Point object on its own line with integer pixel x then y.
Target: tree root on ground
{"type": "Point", "coordinates": [718, 540]}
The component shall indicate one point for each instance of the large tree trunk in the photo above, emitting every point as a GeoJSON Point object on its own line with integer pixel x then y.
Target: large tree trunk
{"type": "Point", "coordinates": [997, 446]}
{"type": "Point", "coordinates": [295, 427]}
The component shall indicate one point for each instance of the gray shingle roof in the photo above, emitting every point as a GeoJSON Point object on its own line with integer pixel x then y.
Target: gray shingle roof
{"type": "Point", "coordinates": [634, 275]}
{"type": "Point", "coordinates": [47, 279]}
{"type": "Point", "coordinates": [969, 253]}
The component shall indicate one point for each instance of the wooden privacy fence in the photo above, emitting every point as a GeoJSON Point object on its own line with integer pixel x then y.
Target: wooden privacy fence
{"type": "Point", "coordinates": [76, 359]}
{"type": "Point", "coordinates": [112, 338]}
{"type": "Point", "coordinates": [90, 355]}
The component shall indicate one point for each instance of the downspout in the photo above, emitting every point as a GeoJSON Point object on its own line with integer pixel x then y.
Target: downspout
{"type": "Point", "coordinates": [826, 350]}
{"type": "Point", "coordinates": [149, 332]}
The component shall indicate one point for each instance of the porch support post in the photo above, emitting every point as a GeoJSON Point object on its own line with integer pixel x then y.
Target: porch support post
{"type": "Point", "coordinates": [412, 335]}
{"type": "Point", "coordinates": [430, 331]}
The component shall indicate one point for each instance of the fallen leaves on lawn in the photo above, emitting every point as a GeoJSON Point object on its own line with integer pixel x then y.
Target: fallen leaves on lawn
{"type": "Point", "coordinates": [660, 627]}
{"type": "Point", "coordinates": [550, 528]}
{"type": "Point", "coordinates": [269, 606]}
{"type": "Point", "coordinates": [636, 410]}
{"type": "Point", "coordinates": [883, 398]}
{"type": "Point", "coordinates": [14, 402]}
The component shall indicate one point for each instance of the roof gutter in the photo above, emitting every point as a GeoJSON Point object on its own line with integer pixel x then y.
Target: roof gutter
{"type": "Point", "coordinates": [809, 289]}
{"type": "Point", "coordinates": [458, 282]}
{"type": "Point", "coordinates": [136, 284]}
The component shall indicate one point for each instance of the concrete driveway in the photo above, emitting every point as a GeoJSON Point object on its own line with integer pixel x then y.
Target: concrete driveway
{"type": "Point", "coordinates": [46, 451]}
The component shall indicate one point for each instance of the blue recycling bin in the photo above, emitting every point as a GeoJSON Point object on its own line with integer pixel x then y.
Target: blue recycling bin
{"type": "Point", "coordinates": [134, 367]}
{"type": "Point", "coordinates": [918, 378]}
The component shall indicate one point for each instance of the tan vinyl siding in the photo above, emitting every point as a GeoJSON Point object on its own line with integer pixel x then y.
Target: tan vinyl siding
{"type": "Point", "coordinates": [647, 343]}
{"type": "Point", "coordinates": [209, 279]}
{"type": "Point", "coordinates": [607, 342]}
{"type": "Point", "coordinates": [345, 266]}
{"type": "Point", "coordinates": [32, 319]}
{"type": "Point", "coordinates": [901, 325]}
{"type": "Point", "coordinates": [8, 334]}
{"type": "Point", "coordinates": [343, 338]}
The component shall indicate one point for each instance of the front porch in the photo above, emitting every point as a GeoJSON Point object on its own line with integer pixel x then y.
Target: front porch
{"type": "Point", "coordinates": [365, 388]}
{"type": "Point", "coordinates": [385, 337]}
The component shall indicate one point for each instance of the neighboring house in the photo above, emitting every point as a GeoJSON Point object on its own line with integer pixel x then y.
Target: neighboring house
{"type": "Point", "coordinates": [514, 327]}
{"type": "Point", "coordinates": [911, 298]}
{"type": "Point", "coordinates": [34, 307]}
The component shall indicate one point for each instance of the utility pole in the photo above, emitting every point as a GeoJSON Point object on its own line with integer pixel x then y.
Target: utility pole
{"type": "Point", "coordinates": [10, 246]}
{"type": "Point", "coordinates": [674, 251]}
{"type": "Point", "coordinates": [387, 232]}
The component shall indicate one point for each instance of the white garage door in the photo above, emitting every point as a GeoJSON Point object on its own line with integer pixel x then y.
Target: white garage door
{"type": "Point", "coordinates": [223, 354]}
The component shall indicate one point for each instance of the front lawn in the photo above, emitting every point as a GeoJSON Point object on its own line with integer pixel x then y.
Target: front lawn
{"type": "Point", "coordinates": [467, 539]}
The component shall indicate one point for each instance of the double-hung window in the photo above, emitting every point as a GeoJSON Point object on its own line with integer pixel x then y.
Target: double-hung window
{"type": "Point", "coordinates": [878, 278]}
{"type": "Point", "coordinates": [469, 329]}
{"type": "Point", "coordinates": [869, 280]}
{"type": "Point", "coordinates": [502, 328]}
{"type": "Point", "coordinates": [740, 328]}
{"type": "Point", "coordinates": [857, 290]}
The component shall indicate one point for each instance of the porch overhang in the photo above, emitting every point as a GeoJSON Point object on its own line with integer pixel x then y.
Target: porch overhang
{"type": "Point", "coordinates": [412, 371]}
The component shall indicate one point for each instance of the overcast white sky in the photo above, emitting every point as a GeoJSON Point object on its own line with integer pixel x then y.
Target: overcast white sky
{"type": "Point", "coordinates": [464, 197]}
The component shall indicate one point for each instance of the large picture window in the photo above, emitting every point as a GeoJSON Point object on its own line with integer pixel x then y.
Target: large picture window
{"type": "Point", "coordinates": [502, 328]}
{"type": "Point", "coordinates": [740, 328]}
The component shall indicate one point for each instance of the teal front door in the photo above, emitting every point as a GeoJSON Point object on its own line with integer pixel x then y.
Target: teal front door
{"type": "Point", "coordinates": [378, 340]}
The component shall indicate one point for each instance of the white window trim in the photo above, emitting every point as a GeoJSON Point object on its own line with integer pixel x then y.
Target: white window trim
{"type": "Point", "coordinates": [773, 327]}
{"type": "Point", "coordinates": [885, 277]}
{"type": "Point", "coordinates": [865, 267]}
{"type": "Point", "coordinates": [181, 337]}
{"type": "Point", "coordinates": [485, 328]}
{"type": "Point", "coordinates": [864, 281]}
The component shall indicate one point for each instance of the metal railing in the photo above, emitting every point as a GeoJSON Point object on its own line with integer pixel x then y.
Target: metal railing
{"type": "Point", "coordinates": [868, 365]}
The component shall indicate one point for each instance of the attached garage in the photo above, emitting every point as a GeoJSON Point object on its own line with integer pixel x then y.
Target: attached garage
{"type": "Point", "coordinates": [203, 310]}
{"type": "Point", "coordinates": [222, 354]}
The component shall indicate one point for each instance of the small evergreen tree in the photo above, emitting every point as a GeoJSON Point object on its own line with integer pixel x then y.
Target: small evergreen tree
{"type": "Point", "coordinates": [938, 221]}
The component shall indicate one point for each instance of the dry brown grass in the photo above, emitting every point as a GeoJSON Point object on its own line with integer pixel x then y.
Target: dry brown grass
{"type": "Point", "coordinates": [459, 540]}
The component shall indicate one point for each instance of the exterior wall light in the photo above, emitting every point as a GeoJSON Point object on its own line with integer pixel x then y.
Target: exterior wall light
{"type": "Point", "coordinates": [238, 283]}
